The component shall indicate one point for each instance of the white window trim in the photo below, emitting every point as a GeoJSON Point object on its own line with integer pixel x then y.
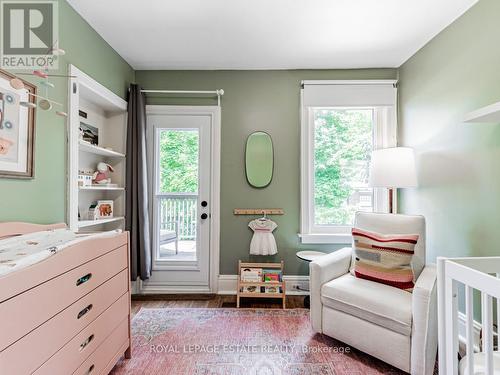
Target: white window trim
{"type": "Point", "coordinates": [309, 234]}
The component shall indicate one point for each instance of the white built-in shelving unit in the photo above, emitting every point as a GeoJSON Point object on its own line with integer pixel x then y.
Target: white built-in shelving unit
{"type": "Point", "coordinates": [91, 149]}
{"type": "Point", "coordinates": [92, 223]}
{"type": "Point", "coordinates": [488, 114]}
{"type": "Point", "coordinates": [107, 112]}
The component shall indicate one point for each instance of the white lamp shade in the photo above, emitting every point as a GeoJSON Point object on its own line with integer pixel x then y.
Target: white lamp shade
{"type": "Point", "coordinates": [393, 168]}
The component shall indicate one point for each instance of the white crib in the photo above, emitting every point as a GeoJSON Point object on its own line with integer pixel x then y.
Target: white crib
{"type": "Point", "coordinates": [482, 274]}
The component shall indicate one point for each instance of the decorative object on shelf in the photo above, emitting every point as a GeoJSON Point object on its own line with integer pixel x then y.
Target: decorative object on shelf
{"type": "Point", "coordinates": [92, 214]}
{"type": "Point", "coordinates": [103, 209]}
{"type": "Point", "coordinates": [393, 168]}
{"type": "Point", "coordinates": [17, 127]}
{"type": "Point", "coordinates": [101, 176]}
{"type": "Point", "coordinates": [84, 178]}
{"type": "Point", "coordinates": [263, 241]}
{"type": "Point", "coordinates": [259, 159]}
{"type": "Point", "coordinates": [89, 133]}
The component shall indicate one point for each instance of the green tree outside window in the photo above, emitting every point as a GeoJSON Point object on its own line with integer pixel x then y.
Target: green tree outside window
{"type": "Point", "coordinates": [342, 150]}
{"type": "Point", "coordinates": [179, 161]}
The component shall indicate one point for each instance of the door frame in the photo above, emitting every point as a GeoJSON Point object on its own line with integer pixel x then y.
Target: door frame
{"type": "Point", "coordinates": [215, 155]}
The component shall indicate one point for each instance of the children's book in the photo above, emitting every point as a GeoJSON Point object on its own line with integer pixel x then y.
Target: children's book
{"type": "Point", "coordinates": [271, 275]}
{"type": "Point", "coordinates": [251, 275]}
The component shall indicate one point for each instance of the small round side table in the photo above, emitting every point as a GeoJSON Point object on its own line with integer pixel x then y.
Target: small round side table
{"type": "Point", "coordinates": [309, 256]}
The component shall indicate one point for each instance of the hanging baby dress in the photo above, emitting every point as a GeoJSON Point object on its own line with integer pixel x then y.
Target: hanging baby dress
{"type": "Point", "coordinates": [263, 242]}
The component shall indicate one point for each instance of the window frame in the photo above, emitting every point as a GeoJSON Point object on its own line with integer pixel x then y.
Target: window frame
{"type": "Point", "coordinates": [384, 129]}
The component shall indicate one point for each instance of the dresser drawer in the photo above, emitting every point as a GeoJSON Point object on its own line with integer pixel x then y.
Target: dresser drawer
{"type": "Point", "coordinates": [108, 353]}
{"type": "Point", "coordinates": [23, 313]}
{"type": "Point", "coordinates": [53, 334]}
{"type": "Point", "coordinates": [73, 256]}
{"type": "Point", "coordinates": [75, 352]}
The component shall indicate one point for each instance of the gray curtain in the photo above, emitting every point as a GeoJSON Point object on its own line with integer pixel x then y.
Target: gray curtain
{"type": "Point", "coordinates": [137, 219]}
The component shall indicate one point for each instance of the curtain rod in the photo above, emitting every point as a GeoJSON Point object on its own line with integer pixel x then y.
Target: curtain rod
{"type": "Point", "coordinates": [217, 93]}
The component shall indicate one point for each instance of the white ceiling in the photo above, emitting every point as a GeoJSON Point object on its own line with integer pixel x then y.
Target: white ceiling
{"type": "Point", "coordinates": [268, 34]}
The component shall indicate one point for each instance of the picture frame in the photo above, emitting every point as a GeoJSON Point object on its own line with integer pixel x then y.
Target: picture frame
{"type": "Point", "coordinates": [89, 133]}
{"type": "Point", "coordinates": [105, 209]}
{"type": "Point", "coordinates": [102, 209]}
{"type": "Point", "coordinates": [17, 129]}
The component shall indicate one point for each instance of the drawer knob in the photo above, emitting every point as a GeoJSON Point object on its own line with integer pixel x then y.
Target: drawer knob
{"type": "Point", "coordinates": [84, 311]}
{"type": "Point", "coordinates": [91, 368]}
{"type": "Point", "coordinates": [83, 279]}
{"type": "Point", "coordinates": [86, 342]}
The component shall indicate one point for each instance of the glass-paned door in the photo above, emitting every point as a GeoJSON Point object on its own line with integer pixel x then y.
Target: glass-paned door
{"type": "Point", "coordinates": [181, 192]}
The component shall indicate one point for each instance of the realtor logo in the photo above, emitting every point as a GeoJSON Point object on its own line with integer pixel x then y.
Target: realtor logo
{"type": "Point", "coordinates": [29, 34]}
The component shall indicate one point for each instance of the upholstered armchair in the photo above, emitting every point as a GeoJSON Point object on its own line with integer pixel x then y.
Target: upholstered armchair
{"type": "Point", "coordinates": [396, 326]}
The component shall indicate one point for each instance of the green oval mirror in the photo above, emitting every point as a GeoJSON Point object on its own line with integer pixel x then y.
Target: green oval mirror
{"type": "Point", "coordinates": [259, 159]}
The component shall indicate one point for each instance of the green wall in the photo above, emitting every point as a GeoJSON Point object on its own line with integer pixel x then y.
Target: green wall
{"type": "Point", "coordinates": [458, 71]}
{"type": "Point", "coordinates": [458, 163]}
{"type": "Point", "coordinates": [43, 199]}
{"type": "Point", "coordinates": [256, 100]}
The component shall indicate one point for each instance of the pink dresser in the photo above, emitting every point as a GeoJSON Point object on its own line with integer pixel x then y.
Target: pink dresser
{"type": "Point", "coordinates": [69, 314]}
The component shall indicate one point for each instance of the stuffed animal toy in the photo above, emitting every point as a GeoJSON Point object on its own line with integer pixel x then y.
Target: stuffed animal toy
{"type": "Point", "coordinates": [101, 176]}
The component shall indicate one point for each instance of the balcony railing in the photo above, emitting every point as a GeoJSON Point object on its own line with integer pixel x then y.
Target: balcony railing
{"type": "Point", "coordinates": [179, 213]}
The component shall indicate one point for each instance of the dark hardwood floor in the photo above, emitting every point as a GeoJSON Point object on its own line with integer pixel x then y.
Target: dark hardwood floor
{"type": "Point", "coordinates": [209, 301]}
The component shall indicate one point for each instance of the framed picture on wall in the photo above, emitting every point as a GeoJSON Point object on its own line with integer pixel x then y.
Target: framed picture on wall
{"type": "Point", "coordinates": [17, 128]}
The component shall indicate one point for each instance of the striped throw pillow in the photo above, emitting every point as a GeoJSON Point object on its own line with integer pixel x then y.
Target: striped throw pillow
{"type": "Point", "coordinates": [383, 258]}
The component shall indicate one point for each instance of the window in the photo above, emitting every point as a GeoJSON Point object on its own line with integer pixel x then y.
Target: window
{"type": "Point", "coordinates": [176, 200]}
{"type": "Point", "coordinates": [342, 122]}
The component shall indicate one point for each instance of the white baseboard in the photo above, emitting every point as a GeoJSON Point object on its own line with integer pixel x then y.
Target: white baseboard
{"type": "Point", "coordinates": [134, 287]}
{"type": "Point", "coordinates": [142, 288]}
{"type": "Point", "coordinates": [228, 284]}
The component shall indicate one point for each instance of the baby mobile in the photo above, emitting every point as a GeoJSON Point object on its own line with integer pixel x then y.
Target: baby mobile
{"type": "Point", "coordinates": [44, 101]}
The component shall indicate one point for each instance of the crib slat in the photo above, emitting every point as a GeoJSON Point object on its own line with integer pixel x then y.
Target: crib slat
{"type": "Point", "coordinates": [487, 322]}
{"type": "Point", "coordinates": [451, 334]}
{"type": "Point", "coordinates": [469, 328]}
{"type": "Point", "coordinates": [498, 319]}
{"type": "Point", "coordinates": [441, 288]}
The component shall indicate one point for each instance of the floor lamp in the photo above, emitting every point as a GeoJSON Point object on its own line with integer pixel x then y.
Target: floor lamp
{"type": "Point", "coordinates": [393, 168]}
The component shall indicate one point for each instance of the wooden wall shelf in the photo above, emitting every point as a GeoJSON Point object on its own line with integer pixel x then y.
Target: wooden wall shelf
{"type": "Point", "coordinates": [258, 211]}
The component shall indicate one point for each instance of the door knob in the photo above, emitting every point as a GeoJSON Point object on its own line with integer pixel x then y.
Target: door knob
{"type": "Point", "coordinates": [204, 204]}
{"type": "Point", "coordinates": [204, 216]}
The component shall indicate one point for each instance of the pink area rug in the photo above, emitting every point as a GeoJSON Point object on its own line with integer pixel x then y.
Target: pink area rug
{"type": "Point", "coordinates": [239, 342]}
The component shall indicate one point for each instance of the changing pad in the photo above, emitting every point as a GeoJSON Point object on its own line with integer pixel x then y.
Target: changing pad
{"type": "Point", "coordinates": [28, 249]}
